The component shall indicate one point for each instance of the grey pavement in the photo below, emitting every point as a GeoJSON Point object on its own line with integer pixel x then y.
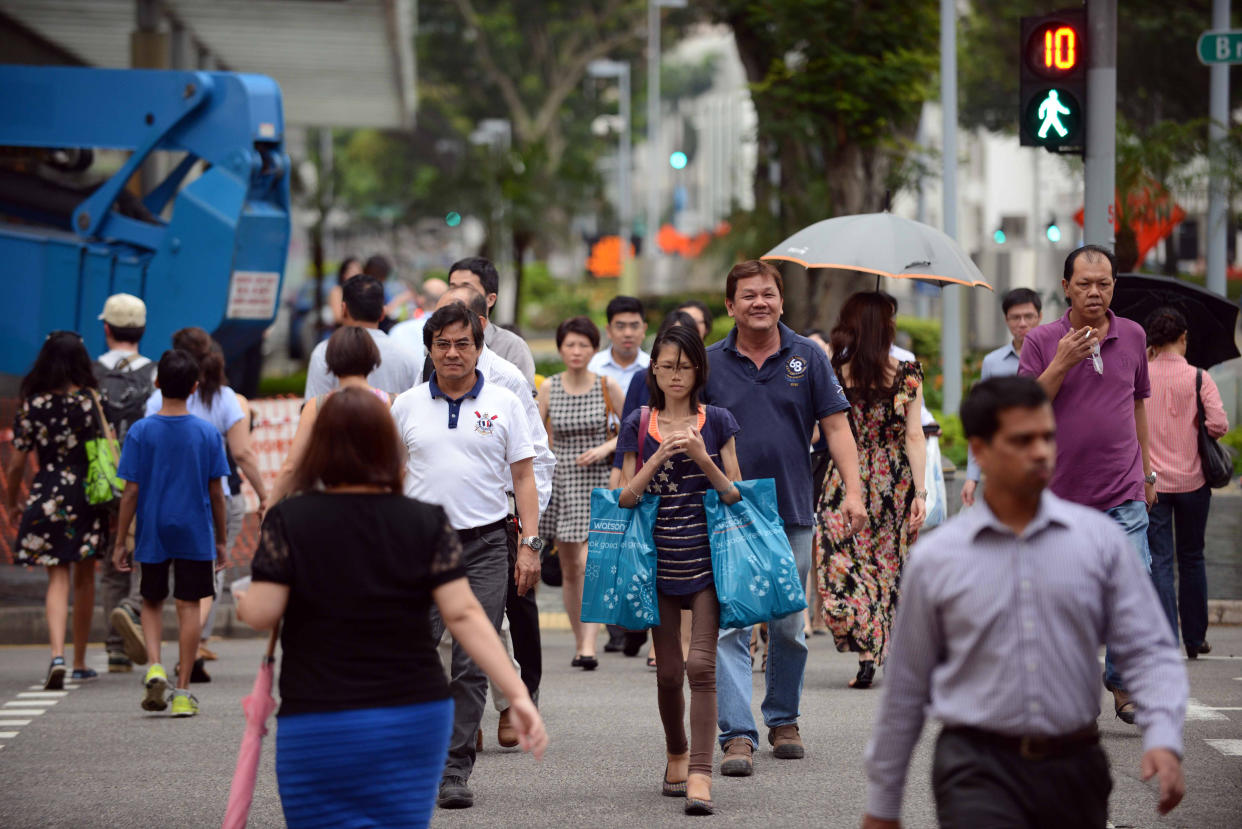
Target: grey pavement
{"type": "Point", "coordinates": [95, 759]}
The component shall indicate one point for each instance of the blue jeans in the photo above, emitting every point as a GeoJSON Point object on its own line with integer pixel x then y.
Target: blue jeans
{"type": "Point", "coordinates": [1178, 522]}
{"type": "Point", "coordinates": [786, 664]}
{"type": "Point", "coordinates": [1132, 516]}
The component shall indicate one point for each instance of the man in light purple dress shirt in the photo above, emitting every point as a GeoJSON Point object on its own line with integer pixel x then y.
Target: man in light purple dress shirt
{"type": "Point", "coordinates": [1003, 610]}
{"type": "Point", "coordinates": [1093, 365]}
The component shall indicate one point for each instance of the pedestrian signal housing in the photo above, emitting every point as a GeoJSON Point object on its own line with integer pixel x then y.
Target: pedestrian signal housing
{"type": "Point", "coordinates": [1053, 86]}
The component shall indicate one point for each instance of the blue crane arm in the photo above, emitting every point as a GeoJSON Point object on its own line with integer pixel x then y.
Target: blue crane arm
{"type": "Point", "coordinates": [212, 250]}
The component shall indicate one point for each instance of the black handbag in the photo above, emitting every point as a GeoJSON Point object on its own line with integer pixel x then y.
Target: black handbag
{"type": "Point", "coordinates": [1217, 464]}
{"type": "Point", "coordinates": [550, 566]}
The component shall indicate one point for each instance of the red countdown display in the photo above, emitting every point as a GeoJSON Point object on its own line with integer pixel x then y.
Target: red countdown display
{"type": "Point", "coordinates": [1054, 50]}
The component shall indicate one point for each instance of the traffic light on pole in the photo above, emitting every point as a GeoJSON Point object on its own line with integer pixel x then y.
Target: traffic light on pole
{"type": "Point", "coordinates": [1053, 86]}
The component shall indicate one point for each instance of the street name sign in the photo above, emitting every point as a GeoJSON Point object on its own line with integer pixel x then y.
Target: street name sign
{"type": "Point", "coordinates": [1220, 46]}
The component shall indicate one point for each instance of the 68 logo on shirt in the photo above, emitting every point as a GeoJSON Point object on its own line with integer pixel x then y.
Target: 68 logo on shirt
{"type": "Point", "coordinates": [484, 423]}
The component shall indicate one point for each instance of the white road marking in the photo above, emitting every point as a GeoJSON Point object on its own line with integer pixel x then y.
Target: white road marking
{"type": "Point", "coordinates": [42, 694]}
{"type": "Point", "coordinates": [44, 702]}
{"type": "Point", "coordinates": [1196, 710]}
{"type": "Point", "coordinates": [23, 712]}
{"type": "Point", "coordinates": [68, 687]}
{"type": "Point", "coordinates": [1229, 748]}
{"type": "Point", "coordinates": [11, 723]}
{"type": "Point", "coordinates": [7, 735]}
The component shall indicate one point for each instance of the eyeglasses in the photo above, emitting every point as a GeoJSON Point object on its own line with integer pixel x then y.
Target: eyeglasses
{"type": "Point", "coordinates": [666, 370]}
{"type": "Point", "coordinates": [463, 344]}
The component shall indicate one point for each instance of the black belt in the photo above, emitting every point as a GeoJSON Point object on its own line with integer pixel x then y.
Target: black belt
{"type": "Point", "coordinates": [478, 532]}
{"type": "Point", "coordinates": [1033, 748]}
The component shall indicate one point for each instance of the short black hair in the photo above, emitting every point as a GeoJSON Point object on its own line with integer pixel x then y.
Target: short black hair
{"type": "Point", "coordinates": [1091, 252]}
{"type": "Point", "coordinates": [477, 302]}
{"type": "Point", "coordinates": [364, 298]}
{"type": "Point", "coordinates": [578, 325]}
{"type": "Point", "coordinates": [351, 352]}
{"type": "Point", "coordinates": [483, 268]}
{"type": "Point", "coordinates": [1164, 325]}
{"type": "Point", "coordinates": [452, 314]}
{"type": "Point", "coordinates": [690, 345]}
{"type": "Point", "coordinates": [377, 266]}
{"type": "Point", "coordinates": [1021, 296]}
{"type": "Point", "coordinates": [177, 373]}
{"type": "Point", "coordinates": [624, 305]}
{"type": "Point", "coordinates": [126, 334]}
{"type": "Point", "coordinates": [708, 317]}
{"type": "Point", "coordinates": [982, 407]}
{"type": "Point", "coordinates": [678, 317]}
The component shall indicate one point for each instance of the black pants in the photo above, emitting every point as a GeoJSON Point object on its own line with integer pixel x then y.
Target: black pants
{"type": "Point", "coordinates": [523, 613]}
{"type": "Point", "coordinates": [982, 786]}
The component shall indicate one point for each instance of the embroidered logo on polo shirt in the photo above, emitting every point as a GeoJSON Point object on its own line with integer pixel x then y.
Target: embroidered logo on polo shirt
{"type": "Point", "coordinates": [795, 367]}
{"type": "Point", "coordinates": [483, 423]}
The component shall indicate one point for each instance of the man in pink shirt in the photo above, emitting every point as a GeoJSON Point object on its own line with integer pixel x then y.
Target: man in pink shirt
{"type": "Point", "coordinates": [1093, 365]}
{"type": "Point", "coordinates": [1183, 496]}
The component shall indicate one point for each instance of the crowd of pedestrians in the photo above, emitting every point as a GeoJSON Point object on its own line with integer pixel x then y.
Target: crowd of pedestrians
{"type": "Point", "coordinates": [430, 477]}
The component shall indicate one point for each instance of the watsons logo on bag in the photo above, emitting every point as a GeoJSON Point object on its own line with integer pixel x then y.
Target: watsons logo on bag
{"type": "Point", "coordinates": [605, 526]}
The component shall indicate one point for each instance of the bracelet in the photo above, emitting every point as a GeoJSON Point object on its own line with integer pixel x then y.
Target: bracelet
{"type": "Point", "coordinates": [920, 493]}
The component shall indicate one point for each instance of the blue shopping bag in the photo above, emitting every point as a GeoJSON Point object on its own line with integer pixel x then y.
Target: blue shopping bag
{"type": "Point", "coordinates": [753, 565]}
{"type": "Point", "coordinates": [619, 587]}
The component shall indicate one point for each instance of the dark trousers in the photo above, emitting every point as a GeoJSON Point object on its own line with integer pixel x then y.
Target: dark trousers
{"type": "Point", "coordinates": [486, 561]}
{"type": "Point", "coordinates": [523, 613]}
{"type": "Point", "coordinates": [1176, 527]}
{"type": "Point", "coordinates": [979, 785]}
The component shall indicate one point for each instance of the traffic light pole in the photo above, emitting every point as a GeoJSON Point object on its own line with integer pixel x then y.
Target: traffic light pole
{"type": "Point", "coordinates": [1101, 158]}
{"type": "Point", "coordinates": [1218, 98]}
{"type": "Point", "coordinates": [950, 295]}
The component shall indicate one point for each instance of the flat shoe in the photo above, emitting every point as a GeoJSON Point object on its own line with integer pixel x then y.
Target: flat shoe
{"type": "Point", "coordinates": [586, 663]}
{"type": "Point", "coordinates": [694, 806]}
{"type": "Point", "coordinates": [671, 789]}
{"type": "Point", "coordinates": [865, 675]}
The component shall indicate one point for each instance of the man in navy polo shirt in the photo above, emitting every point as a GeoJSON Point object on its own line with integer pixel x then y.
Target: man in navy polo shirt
{"type": "Point", "coordinates": [778, 386]}
{"type": "Point", "coordinates": [462, 435]}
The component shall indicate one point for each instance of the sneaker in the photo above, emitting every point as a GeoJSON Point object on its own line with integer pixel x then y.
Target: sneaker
{"type": "Point", "coordinates": [786, 742]}
{"type": "Point", "coordinates": [454, 794]}
{"type": "Point", "coordinates": [119, 663]}
{"type": "Point", "coordinates": [83, 674]}
{"type": "Point", "coordinates": [184, 704]}
{"type": "Point", "coordinates": [738, 758]}
{"type": "Point", "coordinates": [127, 623]}
{"type": "Point", "coordinates": [55, 675]}
{"type": "Point", "coordinates": [156, 683]}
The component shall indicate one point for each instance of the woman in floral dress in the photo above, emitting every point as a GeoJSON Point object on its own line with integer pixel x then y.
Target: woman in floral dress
{"type": "Point", "coordinates": [860, 574]}
{"type": "Point", "coordinates": [58, 526]}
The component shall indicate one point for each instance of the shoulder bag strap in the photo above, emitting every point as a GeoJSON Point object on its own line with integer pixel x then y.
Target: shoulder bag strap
{"type": "Point", "coordinates": [1199, 397]}
{"type": "Point", "coordinates": [105, 429]}
{"type": "Point", "coordinates": [609, 412]}
{"type": "Point", "coordinates": [644, 423]}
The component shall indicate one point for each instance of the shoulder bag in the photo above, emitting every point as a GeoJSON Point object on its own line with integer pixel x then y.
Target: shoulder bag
{"type": "Point", "coordinates": [1217, 465]}
{"type": "Point", "coordinates": [103, 487]}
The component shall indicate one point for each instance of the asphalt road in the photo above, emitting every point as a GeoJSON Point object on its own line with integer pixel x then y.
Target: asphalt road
{"type": "Point", "coordinates": [94, 758]}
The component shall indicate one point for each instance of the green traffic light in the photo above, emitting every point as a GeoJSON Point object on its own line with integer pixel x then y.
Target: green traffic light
{"type": "Point", "coordinates": [678, 160]}
{"type": "Point", "coordinates": [1053, 233]}
{"type": "Point", "coordinates": [453, 219]}
{"type": "Point", "coordinates": [1054, 117]}
{"type": "Point", "coordinates": [999, 237]}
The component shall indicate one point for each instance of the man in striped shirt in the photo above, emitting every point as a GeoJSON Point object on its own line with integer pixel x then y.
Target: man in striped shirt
{"type": "Point", "coordinates": [1003, 610]}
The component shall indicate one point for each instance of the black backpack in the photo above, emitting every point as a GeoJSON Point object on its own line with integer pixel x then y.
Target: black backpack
{"type": "Point", "coordinates": [124, 393]}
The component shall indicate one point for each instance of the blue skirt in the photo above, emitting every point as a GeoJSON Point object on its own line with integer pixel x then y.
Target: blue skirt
{"type": "Point", "coordinates": [368, 767]}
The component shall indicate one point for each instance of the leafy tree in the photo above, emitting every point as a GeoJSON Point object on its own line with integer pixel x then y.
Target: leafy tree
{"type": "Point", "coordinates": [838, 87]}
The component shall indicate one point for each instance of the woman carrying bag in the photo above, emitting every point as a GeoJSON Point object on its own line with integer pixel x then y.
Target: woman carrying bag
{"type": "Point", "coordinates": [353, 566]}
{"type": "Point", "coordinates": [687, 448]}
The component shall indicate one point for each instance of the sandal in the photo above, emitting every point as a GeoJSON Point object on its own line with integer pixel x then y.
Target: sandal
{"type": "Point", "coordinates": [651, 663]}
{"type": "Point", "coordinates": [865, 675]}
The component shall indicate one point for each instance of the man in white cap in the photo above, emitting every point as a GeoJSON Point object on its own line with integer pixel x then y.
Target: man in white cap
{"type": "Point", "coordinates": [126, 380]}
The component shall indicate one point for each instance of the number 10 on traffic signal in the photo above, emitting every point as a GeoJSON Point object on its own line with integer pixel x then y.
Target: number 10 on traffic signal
{"type": "Point", "coordinates": [1052, 109]}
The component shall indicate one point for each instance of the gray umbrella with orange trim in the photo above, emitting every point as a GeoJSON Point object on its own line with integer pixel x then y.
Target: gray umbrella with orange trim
{"type": "Point", "coordinates": [882, 244]}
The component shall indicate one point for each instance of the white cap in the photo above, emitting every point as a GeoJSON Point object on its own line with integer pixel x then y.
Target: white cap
{"type": "Point", "coordinates": [124, 311]}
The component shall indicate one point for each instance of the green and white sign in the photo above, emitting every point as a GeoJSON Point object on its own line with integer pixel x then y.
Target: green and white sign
{"type": "Point", "coordinates": [1220, 46]}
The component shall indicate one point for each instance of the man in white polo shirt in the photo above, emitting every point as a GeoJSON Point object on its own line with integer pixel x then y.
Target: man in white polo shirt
{"type": "Point", "coordinates": [462, 435]}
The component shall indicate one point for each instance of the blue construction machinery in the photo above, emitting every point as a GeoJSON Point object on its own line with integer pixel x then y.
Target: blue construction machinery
{"type": "Point", "coordinates": [204, 246]}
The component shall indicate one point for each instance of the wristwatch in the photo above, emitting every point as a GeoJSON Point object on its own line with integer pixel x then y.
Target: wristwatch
{"type": "Point", "coordinates": [1151, 479]}
{"type": "Point", "coordinates": [534, 542]}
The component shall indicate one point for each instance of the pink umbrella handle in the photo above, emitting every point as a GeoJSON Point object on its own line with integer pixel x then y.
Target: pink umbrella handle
{"type": "Point", "coordinates": [271, 643]}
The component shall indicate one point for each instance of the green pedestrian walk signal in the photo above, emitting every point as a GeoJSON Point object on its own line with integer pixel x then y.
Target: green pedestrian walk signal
{"type": "Point", "coordinates": [1053, 83]}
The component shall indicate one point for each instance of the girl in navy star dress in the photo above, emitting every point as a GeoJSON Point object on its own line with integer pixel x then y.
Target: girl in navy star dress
{"type": "Point", "coordinates": [688, 448]}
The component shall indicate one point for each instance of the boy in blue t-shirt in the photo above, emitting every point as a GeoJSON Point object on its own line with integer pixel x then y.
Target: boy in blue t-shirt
{"type": "Point", "coordinates": [172, 464]}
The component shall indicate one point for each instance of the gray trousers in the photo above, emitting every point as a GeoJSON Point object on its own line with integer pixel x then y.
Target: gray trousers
{"type": "Point", "coordinates": [235, 515]}
{"type": "Point", "coordinates": [981, 785]}
{"type": "Point", "coordinates": [486, 561]}
{"type": "Point", "coordinates": [118, 589]}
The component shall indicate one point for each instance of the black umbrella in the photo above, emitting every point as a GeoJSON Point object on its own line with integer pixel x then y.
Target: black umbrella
{"type": "Point", "coordinates": [1213, 318]}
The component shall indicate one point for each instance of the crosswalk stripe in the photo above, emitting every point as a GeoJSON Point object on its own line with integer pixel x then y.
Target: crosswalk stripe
{"type": "Point", "coordinates": [45, 702]}
{"type": "Point", "coordinates": [11, 723]}
{"type": "Point", "coordinates": [23, 712]}
{"type": "Point", "coordinates": [7, 735]}
{"type": "Point", "coordinates": [1229, 748]}
{"type": "Point", "coordinates": [1196, 710]}
{"type": "Point", "coordinates": [42, 694]}
{"type": "Point", "coordinates": [68, 687]}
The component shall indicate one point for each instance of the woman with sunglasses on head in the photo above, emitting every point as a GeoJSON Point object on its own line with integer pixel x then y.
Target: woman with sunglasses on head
{"type": "Point", "coordinates": [59, 527]}
{"type": "Point", "coordinates": [687, 448]}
